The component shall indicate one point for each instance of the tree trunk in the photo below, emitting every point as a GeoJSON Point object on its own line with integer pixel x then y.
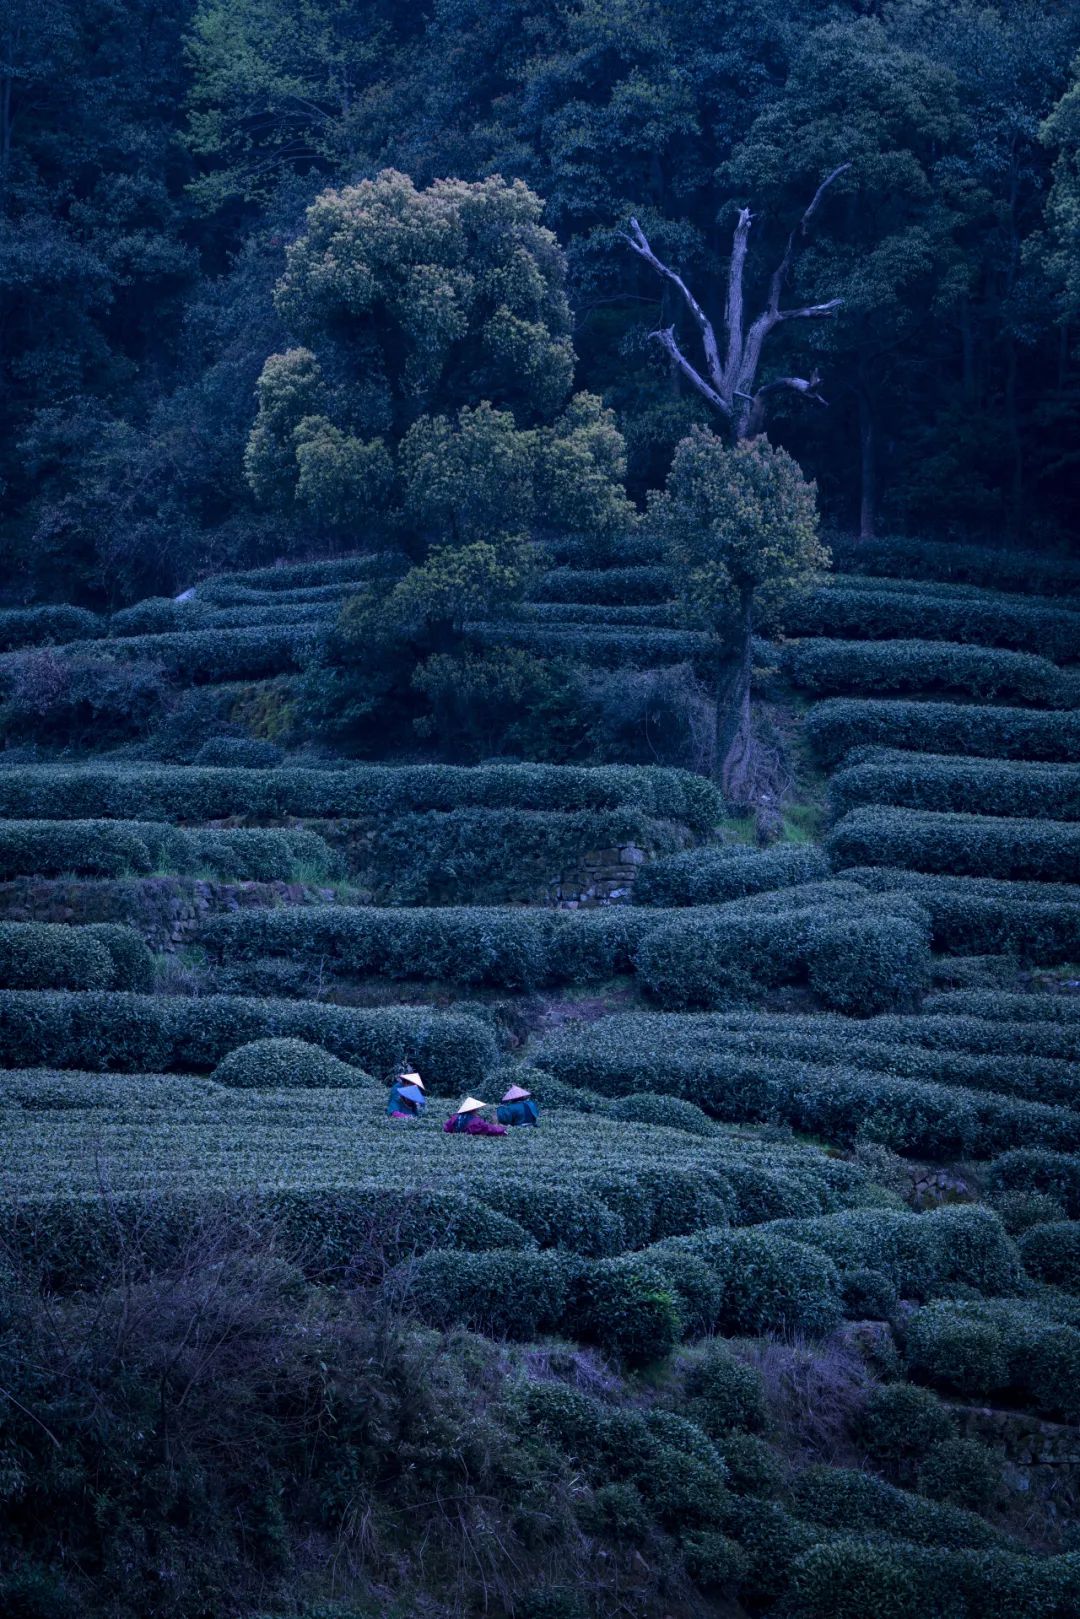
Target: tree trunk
{"type": "Point", "coordinates": [735, 745]}
{"type": "Point", "coordinates": [867, 468]}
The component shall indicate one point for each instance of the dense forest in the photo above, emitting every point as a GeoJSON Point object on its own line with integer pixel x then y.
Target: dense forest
{"type": "Point", "coordinates": [156, 164]}
{"type": "Point", "coordinates": [540, 809]}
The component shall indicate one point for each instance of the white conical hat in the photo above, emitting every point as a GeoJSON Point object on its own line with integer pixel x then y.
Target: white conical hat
{"type": "Point", "coordinates": [470, 1105]}
{"type": "Point", "coordinates": [515, 1094]}
{"type": "Point", "coordinates": [411, 1079]}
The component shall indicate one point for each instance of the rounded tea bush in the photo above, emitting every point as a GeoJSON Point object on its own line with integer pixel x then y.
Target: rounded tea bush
{"type": "Point", "coordinates": [956, 1351]}
{"type": "Point", "coordinates": [960, 1472]}
{"type": "Point", "coordinates": [630, 1310]}
{"type": "Point", "coordinates": [867, 964]}
{"type": "Point", "coordinates": [281, 1064]}
{"type": "Point", "coordinates": [1051, 1253]}
{"type": "Point", "coordinates": [899, 1423]}
{"type": "Point", "coordinates": [727, 1393]}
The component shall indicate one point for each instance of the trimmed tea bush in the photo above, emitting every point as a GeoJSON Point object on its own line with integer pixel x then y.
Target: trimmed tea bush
{"type": "Point", "coordinates": [609, 586]}
{"type": "Point", "coordinates": [277, 1064]}
{"type": "Point", "coordinates": [867, 613]}
{"type": "Point", "coordinates": [627, 1307]}
{"type": "Point", "coordinates": [1030, 572]}
{"type": "Point", "coordinates": [833, 728]}
{"type": "Point", "coordinates": [710, 876]}
{"type": "Point", "coordinates": [864, 964]}
{"type": "Point", "coordinates": [923, 1254]}
{"type": "Point", "coordinates": [45, 955]}
{"type": "Point", "coordinates": [1031, 1170]}
{"type": "Point", "coordinates": [825, 667]}
{"type": "Point", "coordinates": [986, 915]}
{"type": "Point", "coordinates": [928, 781]}
{"type": "Point", "coordinates": [606, 648]}
{"type": "Point", "coordinates": [996, 1004]}
{"type": "Point", "coordinates": [40, 626]}
{"type": "Point", "coordinates": [209, 656]}
{"type": "Point", "coordinates": [727, 1394]}
{"type": "Point", "coordinates": [190, 793]}
{"type": "Point", "coordinates": [1051, 1253]}
{"type": "Point", "coordinates": [975, 845]}
{"type": "Point", "coordinates": [145, 1034]}
{"type": "Point", "coordinates": [840, 1498]}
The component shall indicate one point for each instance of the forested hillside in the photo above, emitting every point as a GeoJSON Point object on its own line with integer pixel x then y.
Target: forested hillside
{"type": "Point", "coordinates": [540, 584]}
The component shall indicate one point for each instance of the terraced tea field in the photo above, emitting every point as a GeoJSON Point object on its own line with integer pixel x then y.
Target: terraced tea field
{"type": "Point", "coordinates": [820, 1100]}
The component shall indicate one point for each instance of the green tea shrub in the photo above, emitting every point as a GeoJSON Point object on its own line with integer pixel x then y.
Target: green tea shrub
{"type": "Point", "coordinates": [157, 615]}
{"type": "Point", "coordinates": [646, 1107]}
{"type": "Point", "coordinates": [510, 1295]}
{"type": "Point", "coordinates": [712, 1560]}
{"type": "Point", "coordinates": [565, 1417]}
{"type": "Point", "coordinates": [962, 1353]}
{"type": "Point", "coordinates": [277, 1064]}
{"type": "Point", "coordinates": [865, 964]}
{"type": "Point", "coordinates": [868, 1294]}
{"type": "Point", "coordinates": [1034, 573]}
{"type": "Point", "coordinates": [609, 586]}
{"type": "Point", "coordinates": [778, 1285]}
{"type": "Point", "coordinates": [627, 1307]}
{"type": "Point", "coordinates": [929, 781]}
{"type": "Point", "coordinates": [999, 1005]}
{"type": "Point", "coordinates": [602, 648]}
{"type": "Point", "coordinates": [199, 793]}
{"type": "Point", "coordinates": [114, 848]}
{"type": "Point", "coordinates": [239, 752]}
{"type": "Point", "coordinates": [753, 1467]}
{"type": "Point", "coordinates": [556, 1216]}
{"type": "Point", "coordinates": [48, 955]}
{"type": "Point", "coordinates": [847, 1578]}
{"type": "Point", "coordinates": [1034, 921]}
{"type": "Point", "coordinates": [839, 724]}
{"type": "Point", "coordinates": [148, 1034]}
{"type": "Point", "coordinates": [697, 1286]}
{"type": "Point", "coordinates": [772, 1540]}
{"type": "Point", "coordinates": [683, 1491]}
{"type": "Point", "coordinates": [840, 1498]}
{"type": "Point", "coordinates": [923, 1254]}
{"type": "Point", "coordinates": [1019, 1211]}
{"type": "Point", "coordinates": [1051, 1253]}
{"type": "Point", "coordinates": [975, 845]}
{"type": "Point", "coordinates": [825, 667]}
{"type": "Point", "coordinates": [1033, 1170]}
{"type": "Point", "coordinates": [132, 963]}
{"type": "Point", "coordinates": [726, 1394]}
{"type": "Point", "coordinates": [868, 614]}
{"type": "Point", "coordinates": [208, 657]}
{"type": "Point", "coordinates": [961, 1473]}
{"type": "Point", "coordinates": [899, 1423]}
{"type": "Point", "coordinates": [692, 963]}
{"type": "Point", "coordinates": [644, 615]}
{"type": "Point", "coordinates": [712, 875]}
{"type": "Point", "coordinates": [38, 626]}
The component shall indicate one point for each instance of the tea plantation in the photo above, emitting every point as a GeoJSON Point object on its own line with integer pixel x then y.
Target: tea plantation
{"type": "Point", "coordinates": [778, 1310]}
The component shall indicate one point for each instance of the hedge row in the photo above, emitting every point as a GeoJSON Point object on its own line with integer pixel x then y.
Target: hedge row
{"type": "Point", "coordinates": [855, 960]}
{"type": "Point", "coordinates": [336, 572]}
{"type": "Point", "coordinates": [1039, 922]}
{"type": "Point", "coordinates": [994, 1350]}
{"type": "Point", "coordinates": [53, 955]}
{"type": "Point", "coordinates": [933, 781]}
{"type": "Point", "coordinates": [714, 874]}
{"type": "Point", "coordinates": [837, 1100]}
{"type": "Point", "coordinates": [211, 655]}
{"type": "Point", "coordinates": [489, 856]}
{"type": "Point", "coordinates": [255, 615]}
{"type": "Point", "coordinates": [834, 727]}
{"type": "Point", "coordinates": [38, 626]}
{"type": "Point", "coordinates": [117, 848]}
{"type": "Point", "coordinates": [646, 615]}
{"type": "Point", "coordinates": [1032, 1006]}
{"type": "Point", "coordinates": [962, 845]}
{"type": "Point", "coordinates": [1053, 1174]}
{"type": "Point", "coordinates": [1030, 572]}
{"type": "Point", "coordinates": [145, 1033]}
{"type": "Point", "coordinates": [604, 648]}
{"type": "Point", "coordinates": [874, 615]}
{"type": "Point", "coordinates": [612, 586]}
{"type": "Point", "coordinates": [186, 793]}
{"type": "Point", "coordinates": [826, 666]}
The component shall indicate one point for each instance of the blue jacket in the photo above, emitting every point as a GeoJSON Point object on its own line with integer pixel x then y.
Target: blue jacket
{"type": "Point", "coordinates": [523, 1112]}
{"type": "Point", "coordinates": [401, 1104]}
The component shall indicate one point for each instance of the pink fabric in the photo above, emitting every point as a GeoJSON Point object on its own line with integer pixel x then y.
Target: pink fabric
{"type": "Point", "coordinates": [475, 1127]}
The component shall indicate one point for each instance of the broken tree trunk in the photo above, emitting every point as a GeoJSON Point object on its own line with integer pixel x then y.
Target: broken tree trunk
{"type": "Point", "coordinates": [728, 381]}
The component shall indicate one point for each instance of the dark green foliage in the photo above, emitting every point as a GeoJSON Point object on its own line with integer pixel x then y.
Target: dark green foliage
{"type": "Point", "coordinates": [727, 1395]}
{"type": "Point", "coordinates": [856, 1502]}
{"type": "Point", "coordinates": [606, 586]}
{"type": "Point", "coordinates": [898, 1423]}
{"type": "Point", "coordinates": [834, 727]}
{"type": "Point", "coordinates": [246, 751]}
{"type": "Point", "coordinates": [626, 1306]}
{"type": "Point", "coordinates": [997, 1005]}
{"type": "Point", "coordinates": [962, 1354]}
{"type": "Point", "coordinates": [505, 1295]}
{"type": "Point", "coordinates": [975, 845]}
{"type": "Point", "coordinates": [864, 965]}
{"type": "Point", "coordinates": [1051, 1253]}
{"type": "Point", "coordinates": [205, 657]}
{"type": "Point", "coordinates": [275, 1063]}
{"type": "Point", "coordinates": [38, 626]}
{"type": "Point", "coordinates": [194, 794]}
{"type": "Point", "coordinates": [602, 648]}
{"type": "Point", "coordinates": [960, 1472]}
{"type": "Point", "coordinates": [1030, 572]}
{"type": "Point", "coordinates": [710, 876]}
{"type": "Point", "coordinates": [924, 1255]}
{"type": "Point", "coordinates": [866, 614]}
{"type": "Point", "coordinates": [825, 667]}
{"type": "Point", "coordinates": [1035, 921]}
{"type": "Point", "coordinates": [139, 1033]}
{"type": "Point", "coordinates": [1027, 1170]}
{"type": "Point", "coordinates": [118, 848]}
{"type": "Point", "coordinates": [935, 782]}
{"type": "Point", "coordinates": [37, 955]}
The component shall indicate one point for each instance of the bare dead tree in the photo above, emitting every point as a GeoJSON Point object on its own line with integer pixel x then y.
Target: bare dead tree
{"type": "Point", "coordinates": [728, 380]}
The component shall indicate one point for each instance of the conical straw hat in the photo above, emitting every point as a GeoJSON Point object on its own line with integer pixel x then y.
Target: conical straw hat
{"type": "Point", "coordinates": [515, 1094]}
{"type": "Point", "coordinates": [412, 1079]}
{"type": "Point", "coordinates": [470, 1105]}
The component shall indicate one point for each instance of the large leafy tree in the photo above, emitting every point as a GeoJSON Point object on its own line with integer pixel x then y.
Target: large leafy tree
{"type": "Point", "coordinates": [738, 525]}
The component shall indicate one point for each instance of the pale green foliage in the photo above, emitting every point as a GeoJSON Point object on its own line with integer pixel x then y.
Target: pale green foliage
{"type": "Point", "coordinates": [467, 478]}
{"type": "Point", "coordinates": [338, 475]}
{"type": "Point", "coordinates": [289, 391]}
{"type": "Point", "coordinates": [458, 583]}
{"type": "Point", "coordinates": [738, 524]}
